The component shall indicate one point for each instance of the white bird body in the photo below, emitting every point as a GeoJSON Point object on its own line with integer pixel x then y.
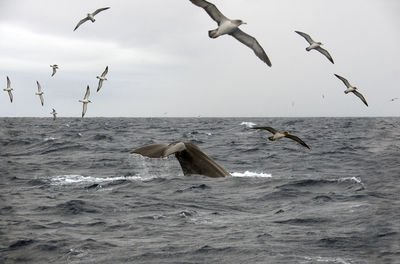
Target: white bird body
{"type": "Point", "coordinates": [278, 135]}
{"type": "Point", "coordinates": [314, 45]}
{"type": "Point", "coordinates": [226, 27]}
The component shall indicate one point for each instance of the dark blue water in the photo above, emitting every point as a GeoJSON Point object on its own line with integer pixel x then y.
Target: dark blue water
{"type": "Point", "coordinates": [70, 192]}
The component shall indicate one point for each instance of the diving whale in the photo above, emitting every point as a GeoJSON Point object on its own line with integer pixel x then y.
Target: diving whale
{"type": "Point", "coordinates": [191, 158]}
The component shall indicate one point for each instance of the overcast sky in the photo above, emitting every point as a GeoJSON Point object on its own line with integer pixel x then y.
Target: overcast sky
{"type": "Point", "coordinates": [162, 62]}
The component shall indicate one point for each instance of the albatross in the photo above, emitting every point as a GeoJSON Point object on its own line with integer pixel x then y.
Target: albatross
{"type": "Point", "coordinates": [54, 113]}
{"type": "Point", "coordinates": [9, 89]}
{"type": "Point", "coordinates": [90, 16]}
{"type": "Point", "coordinates": [55, 67]}
{"type": "Point", "coordinates": [280, 134]}
{"type": "Point", "coordinates": [191, 158]}
{"type": "Point", "coordinates": [102, 78]}
{"type": "Point", "coordinates": [85, 101]}
{"type": "Point", "coordinates": [40, 93]}
{"type": "Point", "coordinates": [352, 89]}
{"type": "Point", "coordinates": [315, 45]}
{"type": "Point", "coordinates": [231, 27]}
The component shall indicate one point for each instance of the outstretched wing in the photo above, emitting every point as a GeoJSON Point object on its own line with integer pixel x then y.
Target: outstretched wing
{"type": "Point", "coordinates": [10, 95]}
{"type": "Point", "coordinates": [270, 129]}
{"type": "Point", "coordinates": [361, 97]}
{"type": "Point", "coordinates": [104, 72]}
{"type": "Point", "coordinates": [253, 44]}
{"type": "Point", "coordinates": [87, 93]}
{"type": "Point", "coordinates": [346, 82]}
{"type": "Point", "coordinates": [39, 87]}
{"type": "Point", "coordinates": [84, 108]}
{"type": "Point", "coordinates": [54, 71]}
{"type": "Point", "coordinates": [8, 82]}
{"type": "Point", "coordinates": [99, 10]}
{"type": "Point", "coordinates": [297, 140]}
{"type": "Point", "coordinates": [81, 22]}
{"type": "Point", "coordinates": [325, 52]}
{"type": "Point", "coordinates": [41, 99]}
{"type": "Point", "coordinates": [306, 36]}
{"type": "Point", "coordinates": [211, 10]}
{"type": "Point", "coordinates": [100, 85]}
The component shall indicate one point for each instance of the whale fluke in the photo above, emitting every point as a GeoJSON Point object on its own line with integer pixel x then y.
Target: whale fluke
{"type": "Point", "coordinates": [191, 158]}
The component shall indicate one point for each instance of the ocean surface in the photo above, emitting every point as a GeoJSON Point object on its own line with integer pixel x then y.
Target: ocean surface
{"type": "Point", "coordinates": [70, 192]}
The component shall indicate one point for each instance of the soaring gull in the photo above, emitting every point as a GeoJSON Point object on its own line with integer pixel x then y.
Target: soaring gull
{"type": "Point", "coordinates": [231, 27]}
{"type": "Point", "coordinates": [280, 134]}
{"type": "Point", "coordinates": [40, 93]}
{"type": "Point", "coordinates": [85, 101]}
{"type": "Point", "coordinates": [90, 16]}
{"type": "Point", "coordinates": [315, 45]}
{"type": "Point", "coordinates": [9, 89]}
{"type": "Point", "coordinates": [352, 89]}
{"type": "Point", "coordinates": [102, 78]}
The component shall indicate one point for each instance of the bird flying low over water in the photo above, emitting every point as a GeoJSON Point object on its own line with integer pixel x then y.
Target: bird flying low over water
{"type": "Point", "coordinates": [55, 67]}
{"type": "Point", "coordinates": [191, 158]}
{"type": "Point", "coordinates": [231, 27]}
{"type": "Point", "coordinates": [315, 45]}
{"type": "Point", "coordinates": [40, 93]}
{"type": "Point", "coordinates": [352, 89]}
{"type": "Point", "coordinates": [280, 134]}
{"type": "Point", "coordinates": [90, 16]}
{"type": "Point", "coordinates": [54, 113]}
{"type": "Point", "coordinates": [85, 101]}
{"type": "Point", "coordinates": [102, 78]}
{"type": "Point", "coordinates": [9, 89]}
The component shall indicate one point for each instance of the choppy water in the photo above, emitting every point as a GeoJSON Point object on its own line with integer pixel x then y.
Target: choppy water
{"type": "Point", "coordinates": [70, 192]}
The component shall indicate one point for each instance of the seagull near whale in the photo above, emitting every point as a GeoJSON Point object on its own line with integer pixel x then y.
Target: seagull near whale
{"type": "Point", "coordinates": [231, 27]}
{"type": "Point", "coordinates": [191, 158]}
{"type": "Point", "coordinates": [54, 113]}
{"type": "Point", "coordinates": [55, 67]}
{"type": "Point", "coordinates": [102, 78]}
{"type": "Point", "coordinates": [40, 93]}
{"type": "Point", "coordinates": [85, 101]}
{"type": "Point", "coordinates": [90, 16]}
{"type": "Point", "coordinates": [315, 45]}
{"type": "Point", "coordinates": [352, 89]}
{"type": "Point", "coordinates": [280, 134]}
{"type": "Point", "coordinates": [9, 89]}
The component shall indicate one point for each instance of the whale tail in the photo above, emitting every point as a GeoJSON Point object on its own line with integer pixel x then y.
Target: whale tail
{"type": "Point", "coordinates": [213, 33]}
{"type": "Point", "coordinates": [191, 158]}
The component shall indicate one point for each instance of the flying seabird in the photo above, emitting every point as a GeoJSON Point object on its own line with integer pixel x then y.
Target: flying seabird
{"type": "Point", "coordinates": [54, 113]}
{"type": "Point", "coordinates": [352, 89]}
{"type": "Point", "coordinates": [315, 45]}
{"type": "Point", "coordinates": [231, 27]}
{"type": "Point", "coordinates": [40, 93]}
{"type": "Point", "coordinates": [102, 78]}
{"type": "Point", "coordinates": [191, 158]}
{"type": "Point", "coordinates": [9, 89]}
{"type": "Point", "coordinates": [85, 100]}
{"type": "Point", "coordinates": [55, 67]}
{"type": "Point", "coordinates": [90, 16]}
{"type": "Point", "coordinates": [391, 100]}
{"type": "Point", "coordinates": [280, 134]}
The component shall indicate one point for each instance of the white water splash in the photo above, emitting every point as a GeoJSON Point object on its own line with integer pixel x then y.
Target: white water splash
{"type": "Point", "coordinates": [247, 124]}
{"type": "Point", "coordinates": [251, 174]}
{"type": "Point", "coordinates": [77, 179]}
{"type": "Point", "coordinates": [353, 179]}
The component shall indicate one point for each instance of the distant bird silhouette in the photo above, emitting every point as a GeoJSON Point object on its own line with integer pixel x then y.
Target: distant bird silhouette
{"type": "Point", "coordinates": [40, 93]}
{"type": "Point", "coordinates": [315, 45]}
{"type": "Point", "coordinates": [280, 134]}
{"type": "Point", "coordinates": [54, 113]}
{"type": "Point", "coordinates": [102, 78]}
{"type": "Point", "coordinates": [352, 89]}
{"type": "Point", "coordinates": [391, 100]}
{"type": "Point", "coordinates": [55, 67]}
{"type": "Point", "coordinates": [9, 89]}
{"type": "Point", "coordinates": [85, 101]}
{"type": "Point", "coordinates": [231, 27]}
{"type": "Point", "coordinates": [90, 16]}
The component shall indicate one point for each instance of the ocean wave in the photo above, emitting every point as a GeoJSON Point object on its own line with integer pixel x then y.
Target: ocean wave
{"type": "Point", "coordinates": [247, 124]}
{"type": "Point", "coordinates": [79, 179]}
{"type": "Point", "coordinates": [251, 174]}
